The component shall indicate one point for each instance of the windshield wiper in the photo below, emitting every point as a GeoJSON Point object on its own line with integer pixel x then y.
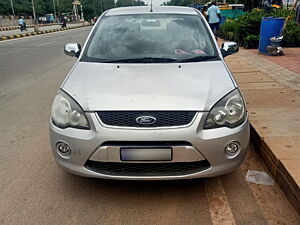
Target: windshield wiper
{"type": "Point", "coordinates": [199, 58]}
{"type": "Point", "coordinates": [141, 60]}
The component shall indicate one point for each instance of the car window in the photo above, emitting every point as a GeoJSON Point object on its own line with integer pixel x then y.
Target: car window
{"type": "Point", "coordinates": [150, 38]}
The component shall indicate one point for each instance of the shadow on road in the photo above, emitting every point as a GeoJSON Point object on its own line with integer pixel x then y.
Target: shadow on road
{"type": "Point", "coordinates": [129, 188]}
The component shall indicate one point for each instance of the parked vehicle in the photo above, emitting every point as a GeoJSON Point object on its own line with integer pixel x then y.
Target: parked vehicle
{"type": "Point", "coordinates": [49, 18]}
{"type": "Point", "coordinates": [150, 98]}
{"type": "Point", "coordinates": [42, 19]}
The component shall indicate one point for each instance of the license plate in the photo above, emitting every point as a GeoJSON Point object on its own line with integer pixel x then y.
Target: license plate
{"type": "Point", "coordinates": [146, 154]}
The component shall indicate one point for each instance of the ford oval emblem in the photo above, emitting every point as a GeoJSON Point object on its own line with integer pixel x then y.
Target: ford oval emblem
{"type": "Point", "coordinates": [145, 120]}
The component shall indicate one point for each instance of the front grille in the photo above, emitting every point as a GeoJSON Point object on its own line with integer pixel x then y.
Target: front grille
{"type": "Point", "coordinates": [163, 118]}
{"type": "Point", "coordinates": [147, 169]}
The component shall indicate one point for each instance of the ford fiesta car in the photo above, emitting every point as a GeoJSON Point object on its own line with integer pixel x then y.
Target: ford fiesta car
{"type": "Point", "coordinates": [149, 98]}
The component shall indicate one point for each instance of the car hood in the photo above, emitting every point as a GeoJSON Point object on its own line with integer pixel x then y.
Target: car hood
{"type": "Point", "coordinates": [187, 86]}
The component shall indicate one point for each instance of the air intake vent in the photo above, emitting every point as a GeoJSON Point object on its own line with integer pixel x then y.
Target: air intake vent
{"type": "Point", "coordinates": [146, 118]}
{"type": "Point", "coordinates": [147, 169]}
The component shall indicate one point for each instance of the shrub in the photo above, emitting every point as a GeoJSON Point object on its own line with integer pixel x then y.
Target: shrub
{"type": "Point", "coordinates": [227, 27]}
{"type": "Point", "coordinates": [291, 34]}
{"type": "Point", "coordinates": [248, 24]}
{"type": "Point", "coordinates": [246, 29]}
{"type": "Point", "coordinates": [251, 41]}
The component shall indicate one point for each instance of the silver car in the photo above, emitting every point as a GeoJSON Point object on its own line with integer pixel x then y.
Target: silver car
{"type": "Point", "coordinates": [150, 98]}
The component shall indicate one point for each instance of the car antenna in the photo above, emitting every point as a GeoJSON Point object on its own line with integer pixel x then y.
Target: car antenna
{"type": "Point", "coordinates": [151, 10]}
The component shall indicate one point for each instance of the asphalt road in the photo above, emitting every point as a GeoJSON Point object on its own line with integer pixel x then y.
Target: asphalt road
{"type": "Point", "coordinates": [34, 190]}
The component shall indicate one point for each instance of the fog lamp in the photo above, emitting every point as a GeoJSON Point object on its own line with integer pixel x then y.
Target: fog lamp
{"type": "Point", "coordinates": [63, 148]}
{"type": "Point", "coordinates": [232, 148]}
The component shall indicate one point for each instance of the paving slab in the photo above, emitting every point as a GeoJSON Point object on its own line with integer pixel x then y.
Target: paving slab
{"type": "Point", "coordinates": [290, 60]}
{"type": "Point", "coordinates": [282, 74]}
{"type": "Point", "coordinates": [271, 98]}
{"type": "Point", "coordinates": [251, 77]}
{"type": "Point", "coordinates": [258, 86]}
{"type": "Point", "coordinates": [275, 123]}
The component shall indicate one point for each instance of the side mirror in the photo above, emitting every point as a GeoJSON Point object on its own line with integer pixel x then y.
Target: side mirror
{"type": "Point", "coordinates": [229, 48]}
{"type": "Point", "coordinates": [72, 49]}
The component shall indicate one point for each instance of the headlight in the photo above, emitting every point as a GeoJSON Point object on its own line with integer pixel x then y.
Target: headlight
{"type": "Point", "coordinates": [228, 112]}
{"type": "Point", "coordinates": [66, 112]}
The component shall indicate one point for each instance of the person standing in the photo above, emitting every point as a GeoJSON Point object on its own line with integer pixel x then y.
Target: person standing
{"type": "Point", "coordinates": [214, 16]}
{"type": "Point", "coordinates": [267, 6]}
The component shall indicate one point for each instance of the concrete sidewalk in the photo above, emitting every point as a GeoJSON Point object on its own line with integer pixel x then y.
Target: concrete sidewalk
{"type": "Point", "coordinates": [290, 61]}
{"type": "Point", "coordinates": [272, 93]}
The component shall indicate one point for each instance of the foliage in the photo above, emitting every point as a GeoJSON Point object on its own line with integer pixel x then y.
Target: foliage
{"type": "Point", "coordinates": [246, 29]}
{"type": "Point", "coordinates": [94, 8]}
{"type": "Point", "coordinates": [122, 3]}
{"type": "Point", "coordinates": [227, 28]}
{"type": "Point", "coordinates": [249, 4]}
{"type": "Point", "coordinates": [251, 41]}
{"type": "Point", "coordinates": [291, 34]}
{"type": "Point", "coordinates": [179, 2]}
{"type": "Point", "coordinates": [24, 7]}
{"type": "Point", "coordinates": [248, 24]}
{"type": "Point", "coordinates": [252, 37]}
{"type": "Point", "coordinates": [91, 8]}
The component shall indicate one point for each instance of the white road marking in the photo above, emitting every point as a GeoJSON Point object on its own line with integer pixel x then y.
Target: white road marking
{"type": "Point", "coordinates": [76, 36]}
{"type": "Point", "coordinates": [44, 44]}
{"type": "Point", "coordinates": [219, 208]}
{"type": "Point", "coordinates": [14, 51]}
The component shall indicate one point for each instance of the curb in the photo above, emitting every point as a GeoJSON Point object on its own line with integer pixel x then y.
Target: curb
{"type": "Point", "coordinates": [3, 38]}
{"type": "Point", "coordinates": [277, 169]}
{"type": "Point", "coordinates": [14, 28]}
{"type": "Point", "coordinates": [29, 26]}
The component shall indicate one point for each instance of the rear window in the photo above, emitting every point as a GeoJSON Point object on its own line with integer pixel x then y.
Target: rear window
{"type": "Point", "coordinates": [150, 38]}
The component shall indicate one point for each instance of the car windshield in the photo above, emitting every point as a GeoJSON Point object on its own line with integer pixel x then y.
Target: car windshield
{"type": "Point", "coordinates": [150, 38]}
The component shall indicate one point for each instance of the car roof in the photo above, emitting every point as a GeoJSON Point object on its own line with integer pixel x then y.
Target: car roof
{"type": "Point", "coordinates": [155, 9]}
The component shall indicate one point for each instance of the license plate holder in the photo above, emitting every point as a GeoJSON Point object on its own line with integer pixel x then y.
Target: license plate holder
{"type": "Point", "coordinates": [146, 154]}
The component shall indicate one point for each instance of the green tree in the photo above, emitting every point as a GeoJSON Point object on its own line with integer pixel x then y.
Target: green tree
{"type": "Point", "coordinates": [91, 8]}
{"type": "Point", "coordinates": [5, 8]}
{"type": "Point", "coordinates": [122, 3]}
{"type": "Point", "coordinates": [179, 2]}
{"type": "Point", "coordinates": [22, 6]}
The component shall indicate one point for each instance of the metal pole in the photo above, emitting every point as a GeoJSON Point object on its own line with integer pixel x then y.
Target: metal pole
{"type": "Point", "coordinates": [81, 13]}
{"type": "Point", "coordinates": [74, 9]}
{"type": "Point", "coordinates": [33, 10]}
{"type": "Point", "coordinates": [12, 7]}
{"type": "Point", "coordinates": [57, 3]}
{"type": "Point", "coordinates": [101, 6]}
{"type": "Point", "coordinates": [54, 11]}
{"type": "Point", "coordinates": [77, 19]}
{"type": "Point", "coordinates": [36, 26]}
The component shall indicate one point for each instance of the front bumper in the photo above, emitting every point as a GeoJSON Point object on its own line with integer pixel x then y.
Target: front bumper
{"type": "Point", "coordinates": [205, 145]}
